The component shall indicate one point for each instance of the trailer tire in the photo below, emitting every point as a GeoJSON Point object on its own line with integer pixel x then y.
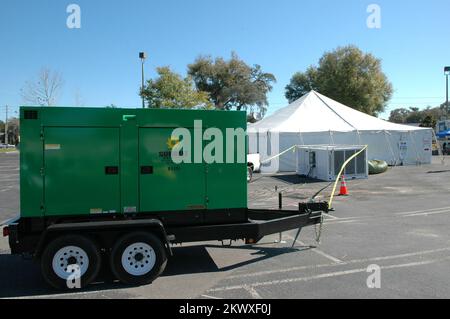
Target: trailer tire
{"type": "Point", "coordinates": [68, 250]}
{"type": "Point", "coordinates": [138, 258]}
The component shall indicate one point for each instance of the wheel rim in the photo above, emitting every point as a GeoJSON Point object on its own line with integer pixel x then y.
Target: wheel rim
{"type": "Point", "coordinates": [67, 256]}
{"type": "Point", "coordinates": [138, 259]}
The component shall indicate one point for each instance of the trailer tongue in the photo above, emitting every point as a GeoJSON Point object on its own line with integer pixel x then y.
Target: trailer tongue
{"type": "Point", "coordinates": [261, 222]}
{"type": "Point", "coordinates": [120, 186]}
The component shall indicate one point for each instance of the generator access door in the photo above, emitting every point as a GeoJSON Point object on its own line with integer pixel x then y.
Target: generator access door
{"type": "Point", "coordinates": [81, 171]}
{"type": "Point", "coordinates": [164, 185]}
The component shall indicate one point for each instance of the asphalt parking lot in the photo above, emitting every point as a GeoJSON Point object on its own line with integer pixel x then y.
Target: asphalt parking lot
{"type": "Point", "coordinates": [399, 221]}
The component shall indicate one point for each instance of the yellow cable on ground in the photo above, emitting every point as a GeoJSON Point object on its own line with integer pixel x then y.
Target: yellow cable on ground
{"type": "Point", "coordinates": [337, 178]}
{"type": "Point", "coordinates": [340, 173]}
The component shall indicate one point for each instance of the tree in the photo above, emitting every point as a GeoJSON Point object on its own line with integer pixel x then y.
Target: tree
{"type": "Point", "coordinates": [399, 115]}
{"type": "Point", "coordinates": [427, 117]}
{"type": "Point", "coordinates": [45, 90]}
{"type": "Point", "coordinates": [170, 90]}
{"type": "Point", "coordinates": [428, 121]}
{"type": "Point", "coordinates": [301, 83]}
{"type": "Point", "coordinates": [414, 115]}
{"type": "Point", "coordinates": [347, 75]}
{"type": "Point", "coordinates": [13, 131]}
{"type": "Point", "coordinates": [232, 84]}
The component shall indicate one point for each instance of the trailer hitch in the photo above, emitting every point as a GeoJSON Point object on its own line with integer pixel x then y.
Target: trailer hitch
{"type": "Point", "coordinates": [311, 207]}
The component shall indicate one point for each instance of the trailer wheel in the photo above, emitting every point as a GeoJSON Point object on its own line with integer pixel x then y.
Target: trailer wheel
{"type": "Point", "coordinates": [68, 256]}
{"type": "Point", "coordinates": [138, 258]}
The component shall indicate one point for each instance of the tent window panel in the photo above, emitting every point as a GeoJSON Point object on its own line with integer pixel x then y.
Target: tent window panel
{"type": "Point", "coordinates": [339, 159]}
{"type": "Point", "coordinates": [269, 144]}
{"type": "Point", "coordinates": [361, 163]}
{"type": "Point", "coordinates": [350, 168]}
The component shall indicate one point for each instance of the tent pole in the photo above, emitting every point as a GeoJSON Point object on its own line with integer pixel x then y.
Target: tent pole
{"type": "Point", "coordinates": [301, 137]}
{"type": "Point", "coordinates": [390, 148]}
{"type": "Point", "coordinates": [440, 153]}
{"type": "Point", "coordinates": [331, 138]}
{"type": "Point", "coordinates": [359, 137]}
{"type": "Point", "coordinates": [415, 147]}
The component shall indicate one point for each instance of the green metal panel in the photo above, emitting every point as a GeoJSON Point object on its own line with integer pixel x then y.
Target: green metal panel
{"type": "Point", "coordinates": [227, 182]}
{"type": "Point", "coordinates": [170, 186]}
{"type": "Point", "coordinates": [31, 162]}
{"type": "Point", "coordinates": [92, 138]}
{"type": "Point", "coordinates": [75, 171]}
{"type": "Point", "coordinates": [129, 166]}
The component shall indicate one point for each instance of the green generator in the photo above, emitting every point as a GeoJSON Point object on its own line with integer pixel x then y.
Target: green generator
{"type": "Point", "coordinates": [99, 161]}
{"type": "Point", "coordinates": [121, 186]}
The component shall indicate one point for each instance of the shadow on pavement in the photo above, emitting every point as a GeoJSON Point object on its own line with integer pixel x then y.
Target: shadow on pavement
{"type": "Point", "coordinates": [196, 259]}
{"type": "Point", "coordinates": [438, 172]}
{"type": "Point", "coordinates": [296, 179]}
{"type": "Point", "coordinates": [22, 278]}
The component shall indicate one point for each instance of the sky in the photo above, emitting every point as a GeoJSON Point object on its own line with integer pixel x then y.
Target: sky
{"type": "Point", "coordinates": [100, 65]}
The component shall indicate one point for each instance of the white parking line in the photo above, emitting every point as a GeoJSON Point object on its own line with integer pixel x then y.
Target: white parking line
{"type": "Point", "coordinates": [210, 297]}
{"type": "Point", "coordinates": [330, 216]}
{"type": "Point", "coordinates": [318, 251]}
{"type": "Point", "coordinates": [252, 292]}
{"type": "Point", "coordinates": [349, 262]}
{"type": "Point", "coordinates": [70, 294]}
{"type": "Point", "coordinates": [326, 275]}
{"type": "Point", "coordinates": [6, 190]}
{"type": "Point", "coordinates": [424, 211]}
{"type": "Point", "coordinates": [428, 213]}
{"type": "Point", "coordinates": [9, 180]}
{"type": "Point", "coordinates": [354, 219]}
{"type": "Point", "coordinates": [333, 222]}
{"type": "Point", "coordinates": [324, 254]}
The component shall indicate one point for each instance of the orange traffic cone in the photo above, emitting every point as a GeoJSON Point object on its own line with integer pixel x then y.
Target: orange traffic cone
{"type": "Point", "coordinates": [344, 190]}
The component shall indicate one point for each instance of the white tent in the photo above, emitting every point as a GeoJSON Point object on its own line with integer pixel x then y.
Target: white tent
{"type": "Point", "coordinates": [315, 119]}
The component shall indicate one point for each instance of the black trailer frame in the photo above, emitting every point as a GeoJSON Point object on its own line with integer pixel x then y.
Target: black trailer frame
{"type": "Point", "coordinates": [260, 224]}
{"type": "Point", "coordinates": [27, 236]}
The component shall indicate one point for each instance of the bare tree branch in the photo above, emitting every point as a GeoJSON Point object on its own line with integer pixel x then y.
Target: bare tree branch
{"type": "Point", "coordinates": [45, 90]}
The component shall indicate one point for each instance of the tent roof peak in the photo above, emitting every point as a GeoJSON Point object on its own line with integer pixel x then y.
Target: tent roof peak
{"type": "Point", "coordinates": [315, 112]}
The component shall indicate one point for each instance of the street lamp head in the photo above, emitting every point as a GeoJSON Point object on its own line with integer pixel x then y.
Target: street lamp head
{"type": "Point", "coordinates": [447, 70]}
{"type": "Point", "coordinates": [142, 55]}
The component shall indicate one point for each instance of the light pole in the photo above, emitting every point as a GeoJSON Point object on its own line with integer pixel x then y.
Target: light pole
{"type": "Point", "coordinates": [142, 56]}
{"type": "Point", "coordinates": [446, 72]}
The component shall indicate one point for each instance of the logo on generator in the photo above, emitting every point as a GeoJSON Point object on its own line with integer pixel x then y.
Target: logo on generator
{"type": "Point", "coordinates": [210, 145]}
{"type": "Point", "coordinates": [172, 142]}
